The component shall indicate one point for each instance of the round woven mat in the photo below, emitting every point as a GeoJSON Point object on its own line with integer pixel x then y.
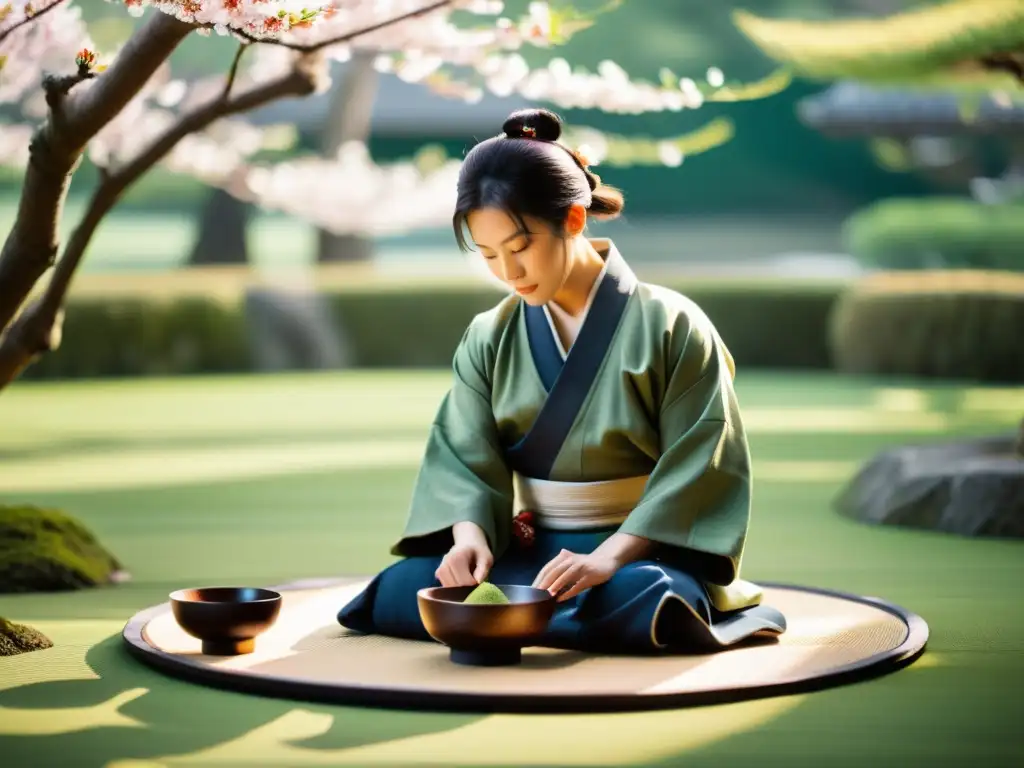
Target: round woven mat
{"type": "Point", "coordinates": [831, 639]}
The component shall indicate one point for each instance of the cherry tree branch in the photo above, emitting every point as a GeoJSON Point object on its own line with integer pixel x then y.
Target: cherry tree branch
{"type": "Point", "coordinates": [1012, 63]}
{"type": "Point", "coordinates": [37, 328]}
{"type": "Point", "coordinates": [346, 37]}
{"type": "Point", "coordinates": [233, 72]}
{"type": "Point", "coordinates": [56, 89]}
{"type": "Point", "coordinates": [301, 80]}
{"type": "Point", "coordinates": [29, 18]}
{"type": "Point", "coordinates": [75, 119]}
{"type": "Point", "coordinates": [56, 149]}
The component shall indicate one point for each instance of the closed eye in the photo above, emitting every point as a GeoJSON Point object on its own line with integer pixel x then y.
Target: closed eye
{"type": "Point", "coordinates": [490, 256]}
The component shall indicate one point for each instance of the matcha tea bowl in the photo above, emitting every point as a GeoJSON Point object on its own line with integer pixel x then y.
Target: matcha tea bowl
{"type": "Point", "coordinates": [492, 627]}
{"type": "Point", "coordinates": [226, 619]}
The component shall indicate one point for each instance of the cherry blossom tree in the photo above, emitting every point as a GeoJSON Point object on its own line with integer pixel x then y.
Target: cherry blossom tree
{"type": "Point", "coordinates": [128, 113]}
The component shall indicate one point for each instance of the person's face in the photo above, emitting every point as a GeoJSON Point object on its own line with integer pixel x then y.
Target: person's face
{"type": "Point", "coordinates": [533, 263]}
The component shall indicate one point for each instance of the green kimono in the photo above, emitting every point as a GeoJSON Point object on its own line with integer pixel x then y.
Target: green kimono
{"type": "Point", "coordinates": [646, 389]}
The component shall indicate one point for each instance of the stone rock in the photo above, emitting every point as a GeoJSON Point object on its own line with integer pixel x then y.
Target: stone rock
{"type": "Point", "coordinates": [17, 638]}
{"type": "Point", "coordinates": [969, 487]}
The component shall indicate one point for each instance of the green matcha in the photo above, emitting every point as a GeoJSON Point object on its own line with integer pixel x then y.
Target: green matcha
{"type": "Point", "coordinates": [486, 594]}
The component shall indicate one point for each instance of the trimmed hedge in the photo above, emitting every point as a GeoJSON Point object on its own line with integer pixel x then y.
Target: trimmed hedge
{"type": "Point", "coordinates": [146, 337]}
{"type": "Point", "coordinates": [937, 233]}
{"type": "Point", "coordinates": [961, 324]}
{"type": "Point", "coordinates": [767, 324]}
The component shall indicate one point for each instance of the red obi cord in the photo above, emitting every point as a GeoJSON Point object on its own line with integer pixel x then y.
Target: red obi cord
{"type": "Point", "coordinates": [522, 527]}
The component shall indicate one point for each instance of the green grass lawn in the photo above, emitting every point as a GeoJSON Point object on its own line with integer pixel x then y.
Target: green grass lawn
{"type": "Point", "coordinates": [264, 479]}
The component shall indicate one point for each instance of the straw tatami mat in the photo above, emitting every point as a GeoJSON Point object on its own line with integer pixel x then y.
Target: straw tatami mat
{"type": "Point", "coordinates": [831, 639]}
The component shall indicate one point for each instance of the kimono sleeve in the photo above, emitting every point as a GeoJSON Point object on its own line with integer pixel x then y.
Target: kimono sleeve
{"type": "Point", "coordinates": [696, 504]}
{"type": "Point", "coordinates": [463, 475]}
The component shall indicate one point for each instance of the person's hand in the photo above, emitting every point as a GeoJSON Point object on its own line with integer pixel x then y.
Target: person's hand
{"type": "Point", "coordinates": [574, 573]}
{"type": "Point", "coordinates": [469, 561]}
{"type": "Point", "coordinates": [465, 565]}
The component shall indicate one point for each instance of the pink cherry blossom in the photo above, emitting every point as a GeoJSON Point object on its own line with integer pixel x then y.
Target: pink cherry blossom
{"type": "Point", "coordinates": [424, 46]}
{"type": "Point", "coordinates": [129, 112]}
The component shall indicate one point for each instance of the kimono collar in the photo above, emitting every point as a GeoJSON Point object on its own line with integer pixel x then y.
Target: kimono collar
{"type": "Point", "coordinates": [615, 268]}
{"type": "Point", "coordinates": [567, 381]}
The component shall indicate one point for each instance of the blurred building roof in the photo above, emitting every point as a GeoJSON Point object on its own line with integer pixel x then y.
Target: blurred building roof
{"type": "Point", "coordinates": [400, 109]}
{"type": "Point", "coordinates": [855, 109]}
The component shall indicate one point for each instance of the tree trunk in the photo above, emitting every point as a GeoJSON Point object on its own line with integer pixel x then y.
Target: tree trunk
{"type": "Point", "coordinates": [343, 248]}
{"type": "Point", "coordinates": [349, 119]}
{"type": "Point", "coordinates": [222, 231]}
{"type": "Point", "coordinates": [37, 328]}
{"type": "Point", "coordinates": [32, 246]}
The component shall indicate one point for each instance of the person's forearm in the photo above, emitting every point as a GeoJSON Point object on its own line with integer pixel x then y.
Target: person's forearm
{"type": "Point", "coordinates": [624, 548]}
{"type": "Point", "coordinates": [468, 532]}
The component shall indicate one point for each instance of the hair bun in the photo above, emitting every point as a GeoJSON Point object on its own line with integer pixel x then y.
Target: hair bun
{"type": "Point", "coordinates": [533, 123]}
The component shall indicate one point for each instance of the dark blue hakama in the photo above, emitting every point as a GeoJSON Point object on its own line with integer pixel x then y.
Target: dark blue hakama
{"type": "Point", "coordinates": [648, 606]}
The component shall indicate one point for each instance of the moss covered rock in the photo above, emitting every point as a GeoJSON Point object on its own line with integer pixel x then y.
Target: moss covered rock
{"type": "Point", "coordinates": [45, 550]}
{"type": "Point", "coordinates": [17, 638]}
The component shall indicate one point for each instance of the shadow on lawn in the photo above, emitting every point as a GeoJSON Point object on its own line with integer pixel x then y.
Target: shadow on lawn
{"type": "Point", "coordinates": [179, 718]}
{"type": "Point", "coordinates": [939, 714]}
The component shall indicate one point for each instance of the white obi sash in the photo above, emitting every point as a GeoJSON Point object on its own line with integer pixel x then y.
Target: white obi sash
{"type": "Point", "coordinates": [577, 506]}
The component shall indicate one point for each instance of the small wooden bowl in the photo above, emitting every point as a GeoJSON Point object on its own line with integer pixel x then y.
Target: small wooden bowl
{"type": "Point", "coordinates": [486, 635]}
{"type": "Point", "coordinates": [226, 619]}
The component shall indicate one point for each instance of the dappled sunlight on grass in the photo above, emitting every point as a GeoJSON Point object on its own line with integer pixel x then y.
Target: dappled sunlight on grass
{"type": "Point", "coordinates": [986, 400]}
{"type": "Point", "coordinates": [951, 400]}
{"type": "Point", "coordinates": [500, 740]}
{"type": "Point", "coordinates": [144, 434]}
{"type": "Point", "coordinates": [142, 467]}
{"type": "Point", "coordinates": [154, 410]}
{"type": "Point", "coordinates": [85, 696]}
{"type": "Point", "coordinates": [103, 706]}
{"type": "Point", "coordinates": [52, 721]}
{"type": "Point", "coordinates": [154, 467]}
{"type": "Point", "coordinates": [914, 400]}
{"type": "Point", "coordinates": [262, 480]}
{"type": "Point", "coordinates": [287, 407]}
{"type": "Point", "coordinates": [804, 471]}
{"type": "Point", "coordinates": [64, 661]}
{"type": "Point", "coordinates": [856, 420]}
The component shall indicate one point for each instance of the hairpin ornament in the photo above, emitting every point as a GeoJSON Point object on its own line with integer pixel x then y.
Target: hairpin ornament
{"type": "Point", "coordinates": [530, 131]}
{"type": "Point", "coordinates": [584, 154]}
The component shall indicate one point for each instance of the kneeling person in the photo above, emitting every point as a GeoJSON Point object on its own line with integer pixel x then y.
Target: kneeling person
{"type": "Point", "coordinates": [600, 409]}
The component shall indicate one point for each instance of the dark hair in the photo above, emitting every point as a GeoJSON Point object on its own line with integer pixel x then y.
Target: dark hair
{"type": "Point", "coordinates": [525, 172]}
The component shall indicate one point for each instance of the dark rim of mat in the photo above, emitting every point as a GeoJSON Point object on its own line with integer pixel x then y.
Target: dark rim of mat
{"type": "Point", "coordinates": [425, 699]}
